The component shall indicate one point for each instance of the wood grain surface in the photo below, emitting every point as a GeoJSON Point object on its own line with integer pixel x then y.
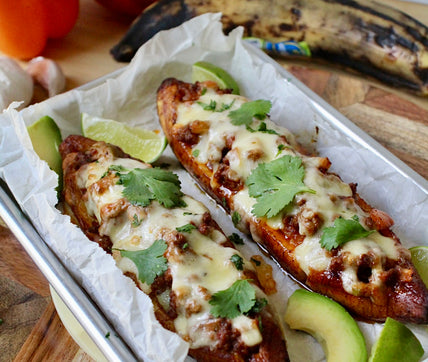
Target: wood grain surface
{"type": "Point", "coordinates": [30, 329]}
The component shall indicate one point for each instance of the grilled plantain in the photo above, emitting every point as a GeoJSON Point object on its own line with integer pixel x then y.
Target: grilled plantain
{"type": "Point", "coordinates": [374, 39]}
{"type": "Point", "coordinates": [250, 166]}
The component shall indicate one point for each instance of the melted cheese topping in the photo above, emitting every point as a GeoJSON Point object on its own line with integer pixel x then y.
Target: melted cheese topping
{"type": "Point", "coordinates": [201, 270]}
{"type": "Point", "coordinates": [332, 197]}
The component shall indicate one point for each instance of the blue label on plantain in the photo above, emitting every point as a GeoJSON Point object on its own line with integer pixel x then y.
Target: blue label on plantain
{"type": "Point", "coordinates": [290, 47]}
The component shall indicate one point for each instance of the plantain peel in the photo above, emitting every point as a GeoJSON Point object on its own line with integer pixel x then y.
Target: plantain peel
{"type": "Point", "coordinates": [371, 38]}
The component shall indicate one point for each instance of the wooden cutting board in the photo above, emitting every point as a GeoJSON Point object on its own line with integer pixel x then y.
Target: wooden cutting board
{"type": "Point", "coordinates": [31, 329]}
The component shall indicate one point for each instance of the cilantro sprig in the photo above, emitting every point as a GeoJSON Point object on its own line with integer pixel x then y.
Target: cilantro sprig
{"type": "Point", "coordinates": [142, 186]}
{"type": "Point", "coordinates": [212, 106]}
{"type": "Point", "coordinates": [244, 115]}
{"type": "Point", "coordinates": [186, 228]}
{"type": "Point", "coordinates": [150, 262]}
{"type": "Point", "coordinates": [236, 239]}
{"type": "Point", "coordinates": [238, 299]}
{"type": "Point", "coordinates": [342, 231]}
{"type": "Point", "coordinates": [262, 128]}
{"type": "Point", "coordinates": [275, 184]}
{"type": "Point", "coordinates": [237, 261]}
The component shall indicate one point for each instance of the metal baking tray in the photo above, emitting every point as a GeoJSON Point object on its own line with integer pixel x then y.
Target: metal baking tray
{"type": "Point", "coordinates": [77, 300]}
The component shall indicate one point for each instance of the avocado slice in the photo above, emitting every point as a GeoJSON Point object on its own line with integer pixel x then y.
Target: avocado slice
{"type": "Point", "coordinates": [329, 323]}
{"type": "Point", "coordinates": [46, 138]}
{"type": "Point", "coordinates": [396, 342]}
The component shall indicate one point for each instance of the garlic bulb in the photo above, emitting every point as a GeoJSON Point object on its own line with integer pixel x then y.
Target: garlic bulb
{"type": "Point", "coordinates": [15, 83]}
{"type": "Point", "coordinates": [48, 74]}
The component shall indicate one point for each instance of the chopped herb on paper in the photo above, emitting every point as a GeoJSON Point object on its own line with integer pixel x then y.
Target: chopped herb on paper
{"type": "Point", "coordinates": [275, 184]}
{"type": "Point", "coordinates": [342, 231]}
{"type": "Point", "coordinates": [236, 218]}
{"type": "Point", "coordinates": [236, 239]}
{"type": "Point", "coordinates": [150, 262]}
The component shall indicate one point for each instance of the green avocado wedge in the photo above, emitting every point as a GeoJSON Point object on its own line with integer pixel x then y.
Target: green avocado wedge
{"type": "Point", "coordinates": [329, 323]}
{"type": "Point", "coordinates": [396, 342]}
{"type": "Point", "coordinates": [46, 138]}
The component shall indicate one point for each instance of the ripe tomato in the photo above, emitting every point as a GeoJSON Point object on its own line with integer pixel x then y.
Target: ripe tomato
{"type": "Point", "coordinates": [62, 15]}
{"type": "Point", "coordinates": [25, 25]}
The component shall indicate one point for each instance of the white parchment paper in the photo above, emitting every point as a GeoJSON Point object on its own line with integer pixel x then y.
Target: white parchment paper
{"type": "Point", "coordinates": [130, 97]}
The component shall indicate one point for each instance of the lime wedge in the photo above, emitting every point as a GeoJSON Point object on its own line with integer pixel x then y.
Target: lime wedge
{"type": "Point", "coordinates": [139, 143]}
{"type": "Point", "coordinates": [46, 138]}
{"type": "Point", "coordinates": [420, 261]}
{"type": "Point", "coordinates": [202, 71]}
{"type": "Point", "coordinates": [396, 342]}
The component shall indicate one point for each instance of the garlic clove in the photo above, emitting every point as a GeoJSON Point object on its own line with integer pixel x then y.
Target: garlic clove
{"type": "Point", "coordinates": [15, 83]}
{"type": "Point", "coordinates": [48, 74]}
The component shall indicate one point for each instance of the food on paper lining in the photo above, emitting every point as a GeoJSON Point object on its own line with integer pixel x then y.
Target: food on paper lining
{"type": "Point", "coordinates": [15, 84]}
{"type": "Point", "coordinates": [200, 285]}
{"type": "Point", "coordinates": [372, 38]}
{"type": "Point", "coordinates": [316, 226]}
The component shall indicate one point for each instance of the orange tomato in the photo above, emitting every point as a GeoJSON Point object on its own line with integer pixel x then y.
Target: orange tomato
{"type": "Point", "coordinates": [25, 25]}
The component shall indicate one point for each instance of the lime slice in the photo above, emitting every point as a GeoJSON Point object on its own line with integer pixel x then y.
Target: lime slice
{"type": "Point", "coordinates": [396, 342]}
{"type": "Point", "coordinates": [420, 261]}
{"type": "Point", "coordinates": [46, 138]}
{"type": "Point", "coordinates": [202, 71]}
{"type": "Point", "coordinates": [139, 143]}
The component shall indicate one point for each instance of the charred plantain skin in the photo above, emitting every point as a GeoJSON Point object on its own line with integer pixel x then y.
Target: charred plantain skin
{"type": "Point", "coordinates": [162, 15]}
{"type": "Point", "coordinates": [371, 38]}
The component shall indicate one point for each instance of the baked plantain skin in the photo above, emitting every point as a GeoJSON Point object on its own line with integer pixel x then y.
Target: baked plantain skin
{"type": "Point", "coordinates": [368, 37]}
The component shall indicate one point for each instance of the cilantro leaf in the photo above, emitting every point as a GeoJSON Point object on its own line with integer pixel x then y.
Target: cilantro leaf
{"type": "Point", "coordinates": [262, 128]}
{"type": "Point", "coordinates": [275, 184]}
{"type": "Point", "coordinates": [342, 231]}
{"type": "Point", "coordinates": [186, 228]}
{"type": "Point", "coordinates": [136, 221]}
{"type": "Point", "coordinates": [195, 153]}
{"type": "Point", "coordinates": [244, 114]}
{"type": "Point", "coordinates": [238, 261]}
{"type": "Point", "coordinates": [225, 106]}
{"type": "Point", "coordinates": [233, 301]}
{"type": "Point", "coordinates": [144, 185]}
{"type": "Point", "coordinates": [236, 218]}
{"type": "Point", "coordinates": [150, 262]}
{"type": "Point", "coordinates": [259, 305]}
{"type": "Point", "coordinates": [208, 107]}
{"type": "Point", "coordinates": [212, 106]}
{"type": "Point", "coordinates": [236, 239]}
